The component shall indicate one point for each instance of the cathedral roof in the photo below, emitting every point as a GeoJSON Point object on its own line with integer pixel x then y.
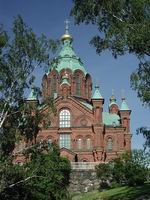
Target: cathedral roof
{"type": "Point", "coordinates": [67, 57]}
{"type": "Point", "coordinates": [111, 119]}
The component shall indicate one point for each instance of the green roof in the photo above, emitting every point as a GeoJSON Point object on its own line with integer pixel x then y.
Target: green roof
{"type": "Point", "coordinates": [124, 105]}
{"type": "Point", "coordinates": [112, 103]}
{"type": "Point", "coordinates": [67, 58]}
{"type": "Point", "coordinates": [33, 95]}
{"type": "Point", "coordinates": [111, 119]}
{"type": "Point", "coordinates": [87, 105]}
{"type": "Point", "coordinates": [97, 94]}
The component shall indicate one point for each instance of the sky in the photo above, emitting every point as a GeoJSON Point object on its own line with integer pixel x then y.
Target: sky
{"type": "Point", "coordinates": [48, 17]}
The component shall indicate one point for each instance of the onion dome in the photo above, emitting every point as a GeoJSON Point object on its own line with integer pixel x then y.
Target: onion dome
{"type": "Point", "coordinates": [66, 36]}
{"type": "Point", "coordinates": [112, 101]}
{"type": "Point", "coordinates": [67, 58]}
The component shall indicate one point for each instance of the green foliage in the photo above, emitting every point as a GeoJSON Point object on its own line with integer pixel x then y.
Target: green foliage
{"type": "Point", "coordinates": [104, 173]}
{"type": "Point", "coordinates": [45, 176]}
{"type": "Point", "coordinates": [146, 133]}
{"type": "Point", "coordinates": [123, 193]}
{"type": "Point", "coordinates": [20, 54]}
{"type": "Point", "coordinates": [124, 27]}
{"type": "Point", "coordinates": [129, 169]}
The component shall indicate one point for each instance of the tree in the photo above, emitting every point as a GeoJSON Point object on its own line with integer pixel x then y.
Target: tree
{"type": "Point", "coordinates": [19, 56]}
{"type": "Point", "coordinates": [45, 176]}
{"type": "Point", "coordinates": [104, 173]}
{"type": "Point", "coordinates": [124, 27]}
{"type": "Point", "coordinates": [146, 133]}
{"type": "Point", "coordinates": [128, 169]}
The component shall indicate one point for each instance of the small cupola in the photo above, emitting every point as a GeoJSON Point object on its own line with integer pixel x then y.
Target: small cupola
{"type": "Point", "coordinates": [65, 79]}
{"type": "Point", "coordinates": [97, 94]}
{"type": "Point", "coordinates": [125, 114]}
{"type": "Point", "coordinates": [124, 106]}
{"type": "Point", "coordinates": [97, 101]}
{"type": "Point", "coordinates": [113, 107]}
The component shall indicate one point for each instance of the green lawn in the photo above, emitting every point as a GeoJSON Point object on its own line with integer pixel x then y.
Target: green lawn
{"type": "Point", "coordinates": [120, 193]}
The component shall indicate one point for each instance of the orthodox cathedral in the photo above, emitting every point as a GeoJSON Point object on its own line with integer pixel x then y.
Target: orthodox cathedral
{"type": "Point", "coordinates": [81, 128]}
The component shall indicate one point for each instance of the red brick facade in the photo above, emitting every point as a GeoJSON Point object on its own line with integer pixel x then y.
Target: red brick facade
{"type": "Point", "coordinates": [81, 128]}
{"type": "Point", "coordinates": [88, 134]}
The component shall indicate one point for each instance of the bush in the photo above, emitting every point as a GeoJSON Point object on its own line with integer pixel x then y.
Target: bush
{"type": "Point", "coordinates": [129, 169]}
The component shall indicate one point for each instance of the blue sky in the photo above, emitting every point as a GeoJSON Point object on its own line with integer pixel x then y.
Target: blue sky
{"type": "Point", "coordinates": [48, 17]}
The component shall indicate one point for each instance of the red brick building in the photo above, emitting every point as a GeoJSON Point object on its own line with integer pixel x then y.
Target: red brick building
{"type": "Point", "coordinates": [82, 129]}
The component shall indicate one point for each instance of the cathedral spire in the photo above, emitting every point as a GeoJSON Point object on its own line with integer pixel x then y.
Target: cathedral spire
{"type": "Point", "coordinates": [66, 36]}
{"type": "Point", "coordinates": [66, 26]}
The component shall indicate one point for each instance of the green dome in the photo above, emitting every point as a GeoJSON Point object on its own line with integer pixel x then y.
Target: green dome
{"type": "Point", "coordinates": [67, 58]}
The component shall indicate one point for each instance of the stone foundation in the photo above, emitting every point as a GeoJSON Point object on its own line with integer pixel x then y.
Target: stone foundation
{"type": "Point", "coordinates": [83, 181]}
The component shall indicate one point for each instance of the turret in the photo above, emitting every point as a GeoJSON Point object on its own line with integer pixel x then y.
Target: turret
{"type": "Point", "coordinates": [113, 107]}
{"type": "Point", "coordinates": [65, 86]}
{"type": "Point", "coordinates": [33, 97]}
{"type": "Point", "coordinates": [97, 101]}
{"type": "Point", "coordinates": [125, 114]}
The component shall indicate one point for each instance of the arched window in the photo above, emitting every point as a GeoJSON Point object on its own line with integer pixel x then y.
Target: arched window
{"type": "Point", "coordinates": [109, 144]}
{"type": "Point", "coordinates": [53, 86]}
{"type": "Point", "coordinates": [49, 141]}
{"type": "Point", "coordinates": [78, 85]}
{"type": "Point", "coordinates": [88, 143]}
{"type": "Point", "coordinates": [79, 143]}
{"type": "Point", "coordinates": [64, 118]}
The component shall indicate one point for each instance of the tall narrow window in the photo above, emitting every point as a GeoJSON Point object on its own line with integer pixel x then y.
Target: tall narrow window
{"type": "Point", "coordinates": [53, 85]}
{"type": "Point", "coordinates": [65, 141]}
{"type": "Point", "coordinates": [78, 85]}
{"type": "Point", "coordinates": [86, 90]}
{"type": "Point", "coordinates": [79, 143]}
{"type": "Point", "coordinates": [64, 118]}
{"type": "Point", "coordinates": [88, 143]}
{"type": "Point", "coordinates": [109, 144]}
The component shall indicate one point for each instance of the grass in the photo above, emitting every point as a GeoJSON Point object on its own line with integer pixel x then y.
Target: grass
{"type": "Point", "coordinates": [119, 193]}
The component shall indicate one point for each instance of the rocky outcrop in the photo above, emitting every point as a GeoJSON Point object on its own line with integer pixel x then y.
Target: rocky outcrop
{"type": "Point", "coordinates": [83, 181]}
